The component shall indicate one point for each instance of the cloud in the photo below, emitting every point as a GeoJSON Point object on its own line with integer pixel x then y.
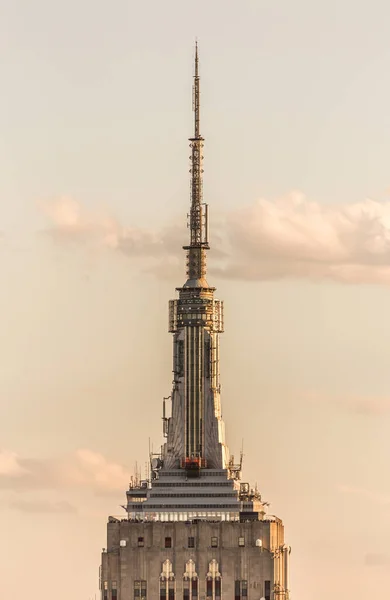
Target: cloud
{"type": "Point", "coordinates": [43, 507]}
{"type": "Point", "coordinates": [290, 237]}
{"type": "Point", "coordinates": [9, 464]}
{"type": "Point", "coordinates": [81, 469]}
{"type": "Point", "coordinates": [69, 221]}
{"type": "Point", "coordinates": [297, 237]}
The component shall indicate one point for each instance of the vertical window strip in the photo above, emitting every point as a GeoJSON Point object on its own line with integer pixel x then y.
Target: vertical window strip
{"type": "Point", "coordinates": [114, 591]}
{"type": "Point", "coordinates": [140, 590]}
{"type": "Point", "coordinates": [213, 582]}
{"type": "Point", "coordinates": [143, 590]}
{"type": "Point", "coordinates": [217, 585]}
{"type": "Point", "coordinates": [240, 589]}
{"type": "Point", "coordinates": [167, 588]}
{"type": "Point", "coordinates": [171, 588]}
{"type": "Point", "coordinates": [137, 590]}
{"type": "Point", "coordinates": [163, 588]}
{"type": "Point", "coordinates": [209, 588]}
{"type": "Point", "coordinates": [267, 590]}
{"type": "Point", "coordinates": [167, 582]}
{"type": "Point", "coordinates": [237, 590]}
{"type": "Point", "coordinates": [190, 582]}
{"type": "Point", "coordinates": [186, 589]}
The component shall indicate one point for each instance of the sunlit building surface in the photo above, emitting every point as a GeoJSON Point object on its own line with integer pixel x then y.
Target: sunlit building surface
{"type": "Point", "coordinates": [194, 530]}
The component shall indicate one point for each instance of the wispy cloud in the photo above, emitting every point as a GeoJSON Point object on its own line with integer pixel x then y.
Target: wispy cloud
{"type": "Point", "coordinates": [10, 465]}
{"type": "Point", "coordinates": [290, 237]}
{"type": "Point", "coordinates": [70, 221]}
{"type": "Point", "coordinates": [82, 469]}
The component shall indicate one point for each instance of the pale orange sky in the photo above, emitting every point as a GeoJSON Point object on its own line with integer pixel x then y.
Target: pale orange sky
{"type": "Point", "coordinates": [95, 114]}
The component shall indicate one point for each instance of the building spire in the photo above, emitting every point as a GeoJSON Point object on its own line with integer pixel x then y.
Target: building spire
{"type": "Point", "coordinates": [196, 94]}
{"type": "Point", "coordinates": [198, 217]}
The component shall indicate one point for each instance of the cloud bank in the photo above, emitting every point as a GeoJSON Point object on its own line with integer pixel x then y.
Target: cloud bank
{"type": "Point", "coordinates": [290, 237]}
{"type": "Point", "coordinates": [82, 469]}
{"type": "Point", "coordinates": [69, 221]}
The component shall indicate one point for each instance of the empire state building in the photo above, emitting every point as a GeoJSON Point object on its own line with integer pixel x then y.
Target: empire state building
{"type": "Point", "coordinates": [194, 530]}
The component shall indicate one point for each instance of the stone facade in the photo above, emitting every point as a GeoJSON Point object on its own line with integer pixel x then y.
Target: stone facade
{"type": "Point", "coordinates": [168, 557]}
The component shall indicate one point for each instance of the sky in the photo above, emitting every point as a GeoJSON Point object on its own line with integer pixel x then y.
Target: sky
{"type": "Point", "coordinates": [95, 115]}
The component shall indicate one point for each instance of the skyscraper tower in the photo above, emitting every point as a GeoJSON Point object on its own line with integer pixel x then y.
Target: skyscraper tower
{"type": "Point", "coordinates": [194, 530]}
{"type": "Point", "coordinates": [195, 433]}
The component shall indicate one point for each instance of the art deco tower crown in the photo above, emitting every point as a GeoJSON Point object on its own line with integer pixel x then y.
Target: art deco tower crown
{"type": "Point", "coordinates": [195, 432]}
{"type": "Point", "coordinates": [194, 461]}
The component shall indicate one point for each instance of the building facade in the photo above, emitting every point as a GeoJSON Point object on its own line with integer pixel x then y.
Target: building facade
{"type": "Point", "coordinates": [193, 530]}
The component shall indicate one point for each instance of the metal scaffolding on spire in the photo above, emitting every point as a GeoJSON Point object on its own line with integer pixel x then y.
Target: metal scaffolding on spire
{"type": "Point", "coordinates": [198, 217]}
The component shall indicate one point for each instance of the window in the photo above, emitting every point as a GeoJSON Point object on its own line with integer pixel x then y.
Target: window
{"type": "Point", "coordinates": [267, 590]}
{"type": "Point", "coordinates": [218, 588]}
{"type": "Point", "coordinates": [213, 582]}
{"type": "Point", "coordinates": [168, 542]}
{"type": "Point", "coordinates": [190, 582]}
{"type": "Point", "coordinates": [105, 590]}
{"type": "Point", "coordinates": [114, 595]}
{"type": "Point", "coordinates": [139, 590]}
{"type": "Point", "coordinates": [140, 542]}
{"type": "Point", "coordinates": [241, 590]}
{"type": "Point", "coordinates": [167, 589]}
{"type": "Point", "coordinates": [214, 542]}
{"type": "Point", "coordinates": [237, 590]}
{"type": "Point", "coordinates": [167, 582]}
{"type": "Point", "coordinates": [191, 542]}
{"type": "Point", "coordinates": [213, 588]}
{"type": "Point", "coordinates": [241, 541]}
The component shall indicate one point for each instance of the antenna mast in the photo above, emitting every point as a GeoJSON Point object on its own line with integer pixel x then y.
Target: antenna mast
{"type": "Point", "coordinates": [198, 223]}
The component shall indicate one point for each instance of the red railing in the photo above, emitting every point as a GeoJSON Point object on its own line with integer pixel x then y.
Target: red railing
{"type": "Point", "coordinates": [193, 463]}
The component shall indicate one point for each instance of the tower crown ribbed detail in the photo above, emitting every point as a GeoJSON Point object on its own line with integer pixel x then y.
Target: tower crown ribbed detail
{"type": "Point", "coordinates": [195, 431]}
